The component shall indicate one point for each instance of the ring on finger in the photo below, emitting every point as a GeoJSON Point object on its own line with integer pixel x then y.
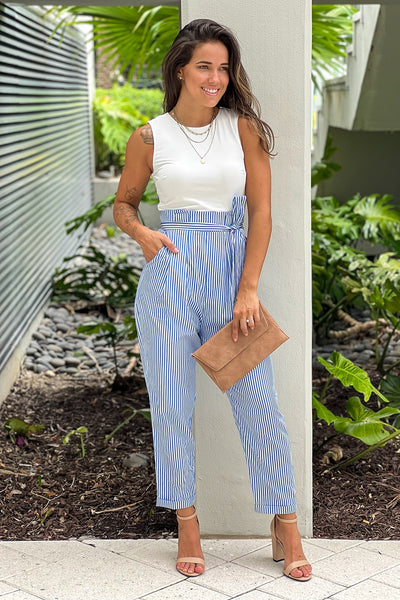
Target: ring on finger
{"type": "Point", "coordinates": [249, 320]}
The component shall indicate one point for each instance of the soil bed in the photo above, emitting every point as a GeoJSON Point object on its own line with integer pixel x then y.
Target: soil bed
{"type": "Point", "coordinates": [361, 501]}
{"type": "Point", "coordinates": [48, 491]}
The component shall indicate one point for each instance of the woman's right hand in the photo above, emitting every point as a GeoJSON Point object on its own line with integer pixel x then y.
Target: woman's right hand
{"type": "Point", "coordinates": [151, 243]}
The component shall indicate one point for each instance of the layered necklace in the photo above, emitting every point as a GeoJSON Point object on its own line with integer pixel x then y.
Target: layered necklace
{"type": "Point", "coordinates": [201, 136]}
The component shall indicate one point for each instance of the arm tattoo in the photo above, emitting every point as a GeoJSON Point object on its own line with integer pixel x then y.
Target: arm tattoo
{"type": "Point", "coordinates": [130, 194]}
{"type": "Point", "coordinates": [127, 212]}
{"type": "Point", "coordinates": [147, 135]}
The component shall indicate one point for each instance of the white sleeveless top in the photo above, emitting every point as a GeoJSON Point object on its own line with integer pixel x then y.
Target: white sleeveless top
{"type": "Point", "coordinates": [182, 181]}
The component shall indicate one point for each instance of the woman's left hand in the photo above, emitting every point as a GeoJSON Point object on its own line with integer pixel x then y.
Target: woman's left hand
{"type": "Point", "coordinates": [246, 313]}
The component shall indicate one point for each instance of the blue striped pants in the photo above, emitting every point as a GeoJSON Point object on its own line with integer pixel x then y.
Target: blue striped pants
{"type": "Point", "coordinates": [181, 301]}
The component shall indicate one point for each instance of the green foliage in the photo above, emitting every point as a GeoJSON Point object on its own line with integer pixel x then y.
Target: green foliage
{"type": "Point", "coordinates": [91, 215]}
{"type": "Point", "coordinates": [94, 213]}
{"type": "Point", "coordinates": [131, 38]}
{"type": "Point", "coordinates": [350, 374]}
{"type": "Point", "coordinates": [145, 412]}
{"type": "Point", "coordinates": [97, 279]}
{"type": "Point", "coordinates": [342, 274]}
{"type": "Point", "coordinates": [21, 427]}
{"type": "Point", "coordinates": [80, 431]}
{"type": "Point", "coordinates": [18, 430]}
{"type": "Point", "coordinates": [112, 333]}
{"type": "Point", "coordinates": [325, 168]}
{"type": "Point", "coordinates": [362, 423]}
{"type": "Point", "coordinates": [390, 386]}
{"type": "Point", "coordinates": [117, 113]}
{"type": "Point", "coordinates": [136, 39]}
{"type": "Point", "coordinates": [332, 30]}
{"type": "Point", "coordinates": [379, 285]}
{"type": "Point", "coordinates": [371, 427]}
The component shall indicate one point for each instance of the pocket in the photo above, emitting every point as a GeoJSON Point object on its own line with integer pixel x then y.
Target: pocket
{"type": "Point", "coordinates": [156, 256]}
{"type": "Point", "coordinates": [154, 274]}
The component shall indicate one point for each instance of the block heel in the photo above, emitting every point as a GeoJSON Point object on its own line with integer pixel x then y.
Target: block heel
{"type": "Point", "coordinates": [278, 552]}
{"type": "Point", "coordinates": [189, 559]}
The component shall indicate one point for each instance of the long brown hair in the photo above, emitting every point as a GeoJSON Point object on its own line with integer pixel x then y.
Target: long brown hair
{"type": "Point", "coordinates": [238, 95]}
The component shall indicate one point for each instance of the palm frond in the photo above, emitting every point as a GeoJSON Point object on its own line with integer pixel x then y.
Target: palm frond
{"type": "Point", "coordinates": [138, 37]}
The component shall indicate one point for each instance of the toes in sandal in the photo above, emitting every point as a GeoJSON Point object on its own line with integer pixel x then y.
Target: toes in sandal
{"type": "Point", "coordinates": [278, 552]}
{"type": "Point", "coordinates": [189, 559]}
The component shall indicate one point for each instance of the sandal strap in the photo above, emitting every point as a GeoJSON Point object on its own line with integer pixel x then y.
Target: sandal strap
{"type": "Point", "coordinates": [191, 559]}
{"type": "Point", "coordinates": [287, 520]}
{"type": "Point", "coordinates": [294, 564]}
{"type": "Point", "coordinates": [180, 518]}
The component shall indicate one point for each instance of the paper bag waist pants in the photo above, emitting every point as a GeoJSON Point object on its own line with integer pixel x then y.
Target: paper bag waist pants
{"type": "Point", "coordinates": [181, 301]}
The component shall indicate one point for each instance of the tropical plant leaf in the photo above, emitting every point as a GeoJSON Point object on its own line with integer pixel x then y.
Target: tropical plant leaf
{"type": "Point", "coordinates": [137, 37]}
{"type": "Point", "coordinates": [332, 28]}
{"type": "Point", "coordinates": [350, 374]}
{"type": "Point", "coordinates": [378, 215]}
{"type": "Point", "coordinates": [363, 423]}
{"type": "Point", "coordinates": [131, 38]}
{"type": "Point", "coordinates": [322, 412]}
{"type": "Point", "coordinates": [390, 387]}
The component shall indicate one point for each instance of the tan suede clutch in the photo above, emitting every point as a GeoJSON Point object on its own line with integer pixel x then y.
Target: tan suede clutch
{"type": "Point", "coordinates": [226, 361]}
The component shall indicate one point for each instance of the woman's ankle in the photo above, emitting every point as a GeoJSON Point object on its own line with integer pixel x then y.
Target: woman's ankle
{"type": "Point", "coordinates": [186, 512]}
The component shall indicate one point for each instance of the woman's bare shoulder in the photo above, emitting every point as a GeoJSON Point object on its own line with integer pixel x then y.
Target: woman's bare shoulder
{"type": "Point", "coordinates": [140, 146]}
{"type": "Point", "coordinates": [142, 135]}
{"type": "Point", "coordinates": [247, 130]}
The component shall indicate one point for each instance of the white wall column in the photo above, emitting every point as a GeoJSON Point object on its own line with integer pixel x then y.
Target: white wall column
{"type": "Point", "coordinates": [275, 37]}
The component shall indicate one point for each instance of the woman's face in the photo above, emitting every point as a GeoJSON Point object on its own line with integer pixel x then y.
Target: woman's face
{"type": "Point", "coordinates": [206, 77]}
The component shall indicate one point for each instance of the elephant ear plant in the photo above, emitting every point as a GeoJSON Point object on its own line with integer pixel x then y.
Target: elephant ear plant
{"type": "Point", "coordinates": [371, 427]}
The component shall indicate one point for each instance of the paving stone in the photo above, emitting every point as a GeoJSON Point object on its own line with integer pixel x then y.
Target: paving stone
{"type": "Point", "coordinates": [188, 590]}
{"type": "Point", "coordinates": [261, 560]}
{"type": "Point", "coordinates": [231, 549]}
{"type": "Point", "coordinates": [95, 575]}
{"type": "Point", "coordinates": [314, 589]}
{"type": "Point", "coordinates": [369, 590]}
{"type": "Point", "coordinates": [231, 579]}
{"type": "Point", "coordinates": [390, 576]}
{"type": "Point", "coordinates": [162, 554]}
{"type": "Point", "coordinates": [388, 547]}
{"type": "Point", "coordinates": [13, 562]}
{"type": "Point", "coordinates": [334, 545]}
{"type": "Point", "coordinates": [352, 566]}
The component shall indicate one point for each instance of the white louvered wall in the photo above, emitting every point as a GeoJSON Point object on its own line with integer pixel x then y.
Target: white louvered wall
{"type": "Point", "coordinates": [45, 161]}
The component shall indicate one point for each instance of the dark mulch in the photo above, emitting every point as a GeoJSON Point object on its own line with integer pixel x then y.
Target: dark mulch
{"type": "Point", "coordinates": [362, 501]}
{"type": "Point", "coordinates": [48, 491]}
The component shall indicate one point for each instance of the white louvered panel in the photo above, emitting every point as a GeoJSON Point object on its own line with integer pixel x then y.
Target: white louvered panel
{"type": "Point", "coordinates": [45, 161]}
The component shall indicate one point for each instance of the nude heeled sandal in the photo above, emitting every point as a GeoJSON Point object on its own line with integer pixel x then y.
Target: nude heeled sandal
{"type": "Point", "coordinates": [189, 559]}
{"type": "Point", "coordinates": [278, 552]}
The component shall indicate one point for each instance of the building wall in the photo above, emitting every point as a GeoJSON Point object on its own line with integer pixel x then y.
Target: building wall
{"type": "Point", "coordinates": [45, 164]}
{"type": "Point", "coordinates": [368, 161]}
{"type": "Point", "coordinates": [276, 45]}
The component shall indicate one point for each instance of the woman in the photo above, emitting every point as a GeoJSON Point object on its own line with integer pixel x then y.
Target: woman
{"type": "Point", "coordinates": [208, 154]}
